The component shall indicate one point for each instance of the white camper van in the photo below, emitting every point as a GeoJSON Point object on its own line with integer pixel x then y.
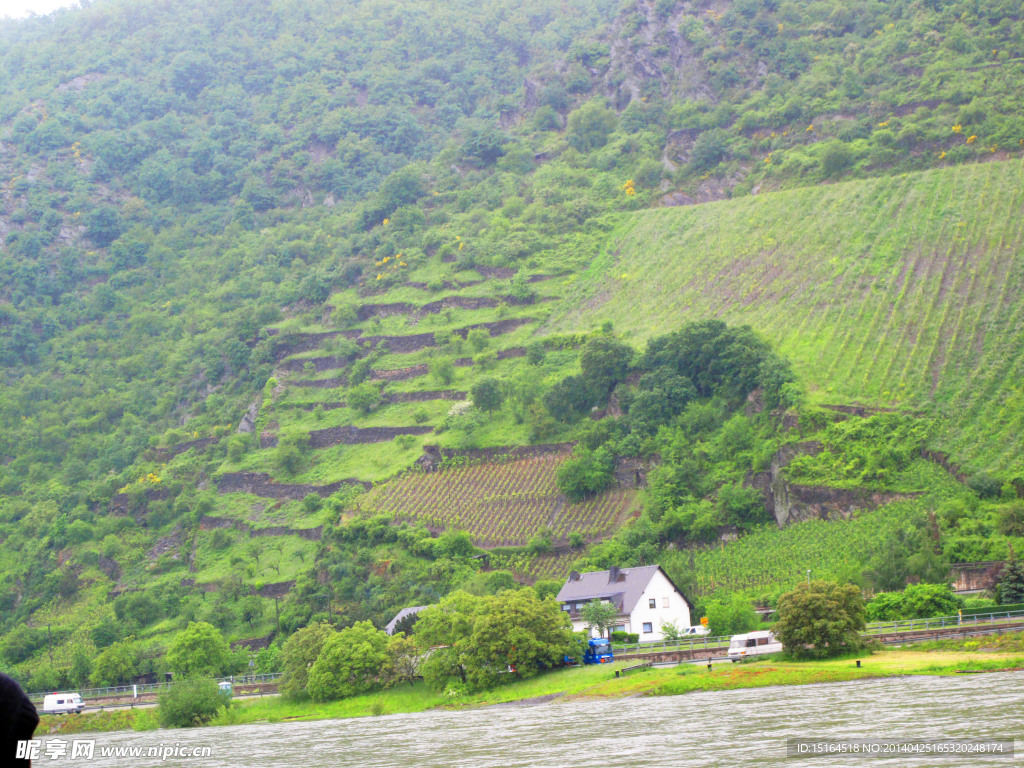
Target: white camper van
{"type": "Point", "coordinates": [753, 644]}
{"type": "Point", "coordinates": [62, 704]}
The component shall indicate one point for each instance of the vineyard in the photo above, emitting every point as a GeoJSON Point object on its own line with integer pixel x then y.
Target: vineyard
{"type": "Point", "coordinates": [902, 290]}
{"type": "Point", "coordinates": [502, 503]}
{"type": "Point", "coordinates": [769, 559]}
{"type": "Point", "coordinates": [533, 568]}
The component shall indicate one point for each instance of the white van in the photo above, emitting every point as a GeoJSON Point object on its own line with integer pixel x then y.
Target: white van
{"type": "Point", "coordinates": [753, 644]}
{"type": "Point", "coordinates": [62, 704]}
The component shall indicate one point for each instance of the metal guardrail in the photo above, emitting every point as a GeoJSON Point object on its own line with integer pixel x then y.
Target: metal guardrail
{"type": "Point", "coordinates": [941, 622]}
{"type": "Point", "coordinates": [140, 688]}
{"type": "Point", "coordinates": [701, 642]}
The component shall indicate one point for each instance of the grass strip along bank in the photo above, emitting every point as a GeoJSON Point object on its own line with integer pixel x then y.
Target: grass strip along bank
{"type": "Point", "coordinates": [946, 657]}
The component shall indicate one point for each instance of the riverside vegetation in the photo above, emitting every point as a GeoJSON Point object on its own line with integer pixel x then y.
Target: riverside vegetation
{"type": "Point", "coordinates": [364, 231]}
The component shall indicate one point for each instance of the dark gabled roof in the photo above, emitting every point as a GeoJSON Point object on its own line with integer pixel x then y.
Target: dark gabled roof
{"type": "Point", "coordinates": [624, 592]}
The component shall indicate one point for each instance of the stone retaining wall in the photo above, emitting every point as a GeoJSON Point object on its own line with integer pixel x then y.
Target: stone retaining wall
{"type": "Point", "coordinates": [324, 438]}
{"type": "Point", "coordinates": [260, 484]}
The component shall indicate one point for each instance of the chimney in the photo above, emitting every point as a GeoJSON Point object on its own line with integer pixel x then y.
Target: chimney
{"type": "Point", "coordinates": [613, 574]}
{"type": "Point", "coordinates": [574, 576]}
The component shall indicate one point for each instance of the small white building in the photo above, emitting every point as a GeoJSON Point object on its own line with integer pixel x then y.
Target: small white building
{"type": "Point", "coordinates": [644, 597]}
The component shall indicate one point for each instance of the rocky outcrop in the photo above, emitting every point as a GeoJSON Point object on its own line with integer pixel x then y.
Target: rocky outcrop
{"type": "Point", "coordinates": [791, 503]}
{"type": "Point", "coordinates": [976, 577]}
{"type": "Point", "coordinates": [248, 423]}
{"type": "Point", "coordinates": [260, 484]}
{"type": "Point", "coordinates": [631, 471]}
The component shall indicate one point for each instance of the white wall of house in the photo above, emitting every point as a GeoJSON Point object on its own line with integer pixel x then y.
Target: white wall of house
{"type": "Point", "coordinates": [669, 605]}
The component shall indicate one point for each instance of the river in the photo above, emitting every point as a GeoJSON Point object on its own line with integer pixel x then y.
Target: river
{"type": "Point", "coordinates": [725, 728]}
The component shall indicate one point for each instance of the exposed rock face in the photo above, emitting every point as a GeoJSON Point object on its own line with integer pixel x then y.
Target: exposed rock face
{"type": "Point", "coordinates": [792, 503]}
{"type": "Point", "coordinates": [974, 577]}
{"type": "Point", "coordinates": [248, 423]}
{"type": "Point", "coordinates": [631, 472]}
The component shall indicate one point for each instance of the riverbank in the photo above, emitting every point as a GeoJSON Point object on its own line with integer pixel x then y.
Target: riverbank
{"type": "Point", "coordinates": [944, 658]}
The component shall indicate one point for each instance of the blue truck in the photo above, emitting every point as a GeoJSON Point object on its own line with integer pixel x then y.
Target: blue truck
{"type": "Point", "coordinates": [599, 651]}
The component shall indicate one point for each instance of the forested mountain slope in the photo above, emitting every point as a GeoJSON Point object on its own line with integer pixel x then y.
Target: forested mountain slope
{"type": "Point", "coordinates": [257, 257]}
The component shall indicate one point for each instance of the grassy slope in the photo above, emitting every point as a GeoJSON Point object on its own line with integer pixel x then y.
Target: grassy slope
{"type": "Point", "coordinates": [891, 291]}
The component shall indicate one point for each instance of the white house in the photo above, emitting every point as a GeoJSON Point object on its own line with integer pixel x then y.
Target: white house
{"type": "Point", "coordinates": [645, 598]}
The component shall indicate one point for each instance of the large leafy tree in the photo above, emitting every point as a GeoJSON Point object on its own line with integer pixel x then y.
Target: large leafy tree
{"type": "Point", "coordinates": [482, 641]}
{"type": "Point", "coordinates": [199, 651]}
{"type": "Point", "coordinates": [515, 635]}
{"type": "Point", "coordinates": [353, 661]}
{"type": "Point", "coordinates": [820, 619]}
{"type": "Point", "coordinates": [117, 665]}
{"type": "Point", "coordinates": [298, 654]}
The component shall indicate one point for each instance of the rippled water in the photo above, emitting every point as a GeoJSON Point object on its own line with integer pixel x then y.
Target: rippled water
{"type": "Point", "coordinates": [746, 727]}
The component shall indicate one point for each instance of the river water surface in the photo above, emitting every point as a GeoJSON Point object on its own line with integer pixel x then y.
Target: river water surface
{"type": "Point", "coordinates": [727, 728]}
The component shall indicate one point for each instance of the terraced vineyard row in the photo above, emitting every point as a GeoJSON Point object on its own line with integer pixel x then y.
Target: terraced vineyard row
{"type": "Point", "coordinates": [533, 568]}
{"type": "Point", "coordinates": [769, 559]}
{"type": "Point", "coordinates": [898, 290]}
{"type": "Point", "coordinates": [500, 504]}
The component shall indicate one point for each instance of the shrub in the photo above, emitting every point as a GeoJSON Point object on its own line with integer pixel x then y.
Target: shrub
{"type": "Point", "coordinates": [586, 473]}
{"type": "Point", "coordinates": [984, 485]}
{"type": "Point", "coordinates": [487, 394]}
{"type": "Point", "coordinates": [479, 339]}
{"type": "Point", "coordinates": [820, 619]}
{"type": "Point", "coordinates": [731, 618]}
{"type": "Point", "coordinates": [363, 397]}
{"type": "Point", "coordinates": [189, 703]}
{"type": "Point", "coordinates": [442, 369]}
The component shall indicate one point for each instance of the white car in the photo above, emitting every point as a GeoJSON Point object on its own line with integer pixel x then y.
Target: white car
{"type": "Point", "coordinates": [62, 704]}
{"type": "Point", "coordinates": [690, 631]}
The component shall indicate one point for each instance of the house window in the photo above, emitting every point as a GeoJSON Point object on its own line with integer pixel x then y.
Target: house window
{"type": "Point", "coordinates": [652, 603]}
{"type": "Point", "coordinates": [648, 627]}
{"type": "Point", "coordinates": [664, 602]}
{"type": "Point", "coordinates": [618, 628]}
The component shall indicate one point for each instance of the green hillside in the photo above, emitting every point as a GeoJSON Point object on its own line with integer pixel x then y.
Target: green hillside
{"type": "Point", "coordinates": [315, 310]}
{"type": "Point", "coordinates": [902, 291]}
